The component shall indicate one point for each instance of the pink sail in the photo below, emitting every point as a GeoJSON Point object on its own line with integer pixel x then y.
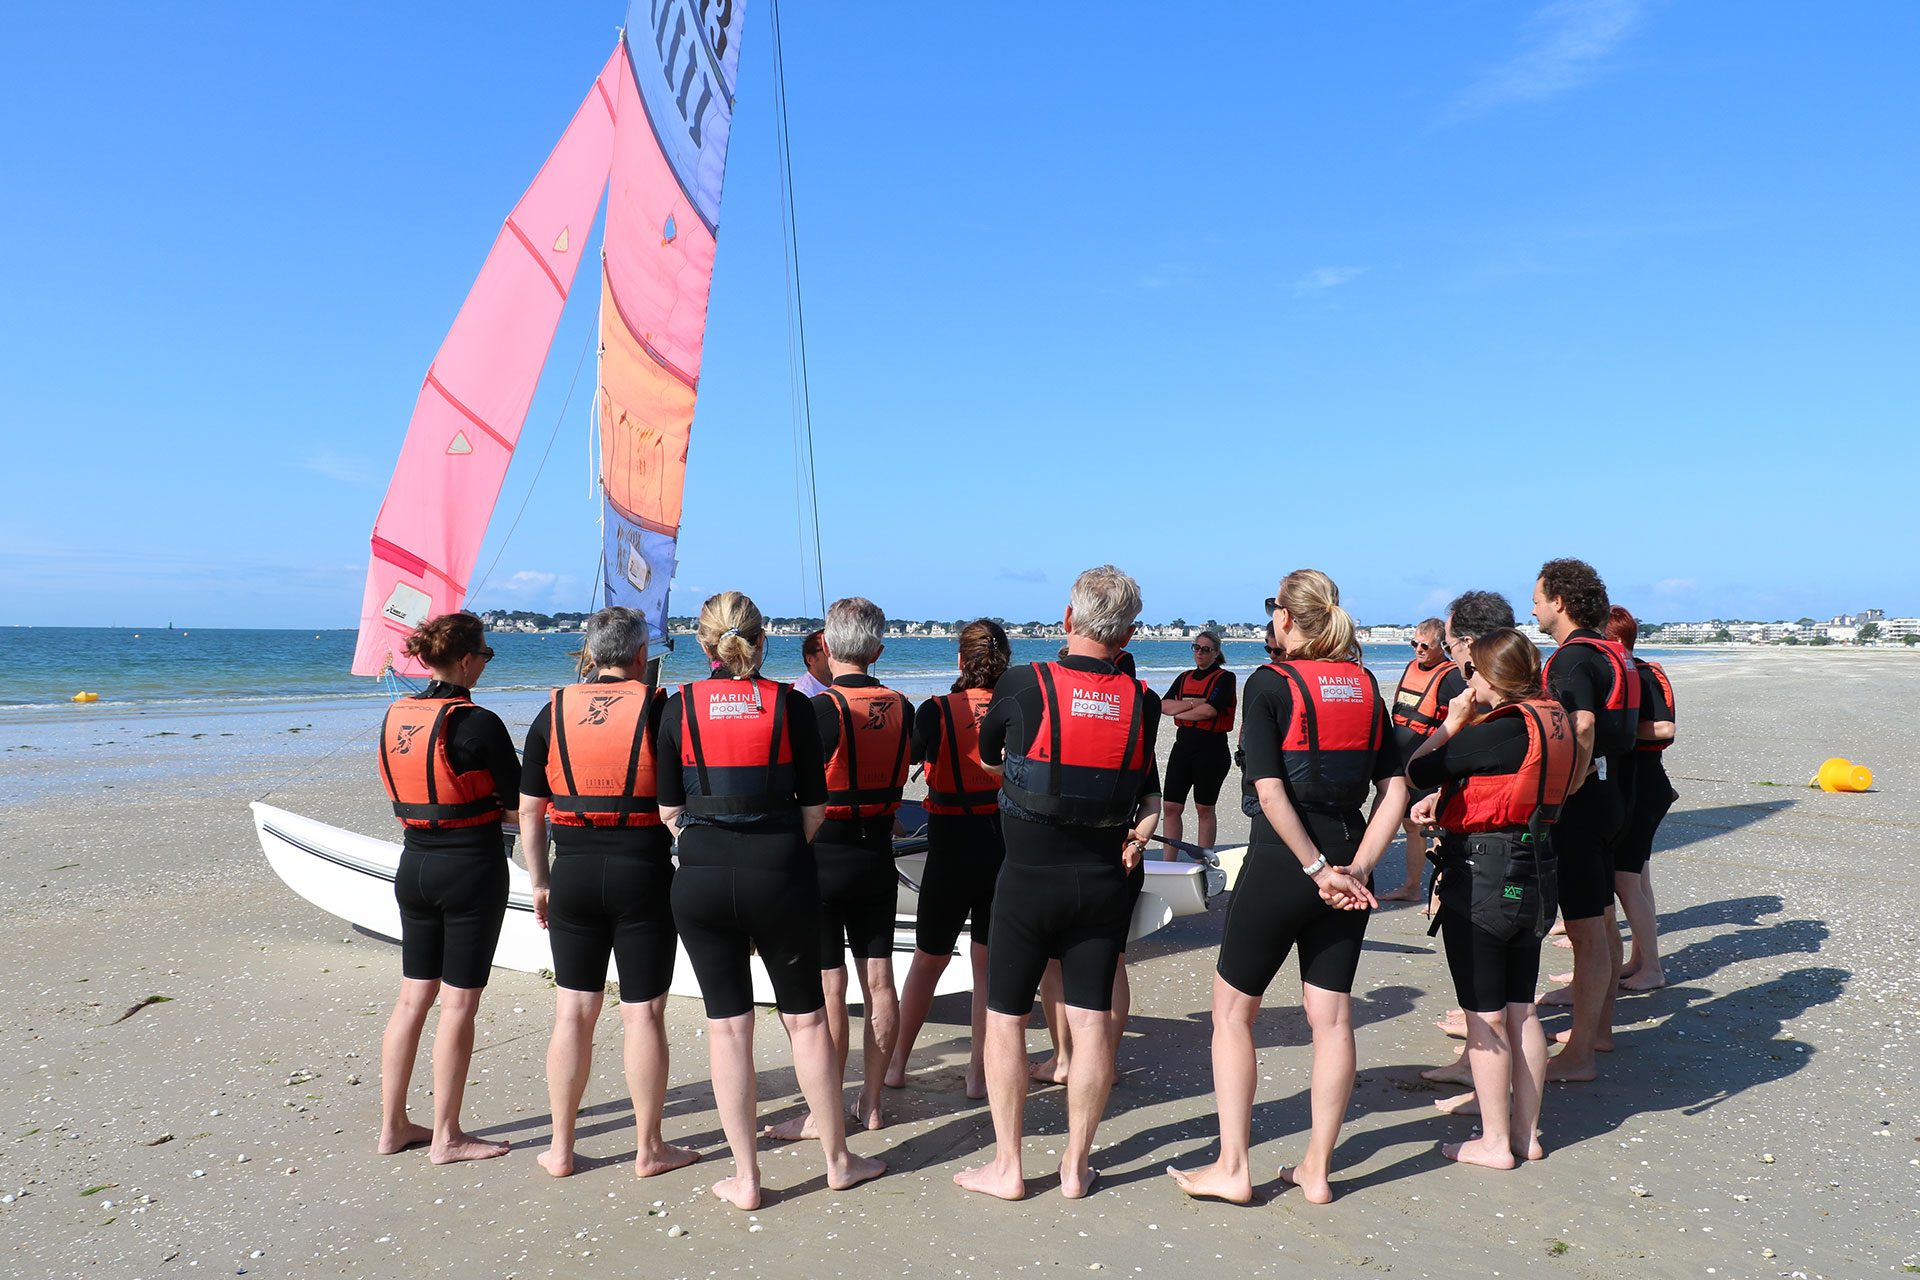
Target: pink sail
{"type": "Point", "coordinates": [478, 389]}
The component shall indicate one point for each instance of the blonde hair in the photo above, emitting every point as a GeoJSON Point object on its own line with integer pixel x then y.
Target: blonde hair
{"type": "Point", "coordinates": [731, 629]}
{"type": "Point", "coordinates": [1313, 600]}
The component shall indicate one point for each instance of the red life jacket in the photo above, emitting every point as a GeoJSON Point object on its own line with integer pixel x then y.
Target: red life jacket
{"type": "Point", "coordinates": [1198, 684]}
{"type": "Point", "coordinates": [426, 792]}
{"type": "Point", "coordinates": [735, 760]}
{"type": "Point", "coordinates": [1416, 703]}
{"type": "Point", "coordinates": [1088, 752]}
{"type": "Point", "coordinates": [1616, 727]}
{"type": "Point", "coordinates": [1659, 677]}
{"type": "Point", "coordinates": [868, 767]}
{"type": "Point", "coordinates": [1338, 724]}
{"type": "Point", "coordinates": [956, 780]}
{"type": "Point", "coordinates": [1503, 801]}
{"type": "Point", "coordinates": [601, 757]}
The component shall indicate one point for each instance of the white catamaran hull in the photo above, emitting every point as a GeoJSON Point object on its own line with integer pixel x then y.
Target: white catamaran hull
{"type": "Point", "coordinates": [350, 875]}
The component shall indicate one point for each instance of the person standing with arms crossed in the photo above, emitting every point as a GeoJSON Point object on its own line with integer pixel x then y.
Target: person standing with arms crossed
{"type": "Point", "coordinates": [588, 781]}
{"type": "Point", "coordinates": [1200, 703]}
{"type": "Point", "coordinates": [1428, 684]}
{"type": "Point", "coordinates": [1073, 742]}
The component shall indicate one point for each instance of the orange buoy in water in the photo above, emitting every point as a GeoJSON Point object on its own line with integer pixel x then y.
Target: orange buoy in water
{"type": "Point", "coordinates": [86, 697]}
{"type": "Point", "coordinates": [1840, 774]}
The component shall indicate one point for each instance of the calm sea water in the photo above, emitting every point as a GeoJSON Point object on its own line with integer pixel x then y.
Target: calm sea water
{"type": "Point", "coordinates": [41, 668]}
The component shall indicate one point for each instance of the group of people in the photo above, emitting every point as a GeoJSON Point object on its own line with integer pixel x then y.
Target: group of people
{"type": "Point", "coordinates": [1533, 788]}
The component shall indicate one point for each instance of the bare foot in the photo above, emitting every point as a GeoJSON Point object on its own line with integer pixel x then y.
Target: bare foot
{"type": "Point", "coordinates": [1534, 1151]}
{"type": "Point", "coordinates": [1604, 1045]}
{"type": "Point", "coordinates": [407, 1135]}
{"type": "Point", "coordinates": [1452, 1073]}
{"type": "Point", "coordinates": [992, 1180]}
{"type": "Point", "coordinates": [555, 1162]}
{"type": "Point", "coordinates": [1078, 1184]}
{"type": "Point", "coordinates": [661, 1158]}
{"type": "Point", "coordinates": [868, 1112]}
{"type": "Point", "coordinates": [1405, 893]}
{"type": "Point", "coordinates": [464, 1146]}
{"type": "Point", "coordinates": [792, 1130]}
{"type": "Point", "coordinates": [1460, 1104]}
{"type": "Point", "coordinates": [976, 1083]}
{"type": "Point", "coordinates": [1564, 979]}
{"type": "Point", "coordinates": [1559, 929]}
{"type": "Point", "coordinates": [854, 1171]}
{"type": "Point", "coordinates": [1567, 1069]}
{"type": "Point", "coordinates": [1317, 1190]}
{"type": "Point", "coordinates": [1557, 996]}
{"type": "Point", "coordinates": [1049, 1070]}
{"type": "Point", "coordinates": [1215, 1182]}
{"type": "Point", "coordinates": [1562, 943]}
{"type": "Point", "coordinates": [1644, 981]}
{"type": "Point", "coordinates": [1480, 1152]}
{"type": "Point", "coordinates": [740, 1191]}
{"type": "Point", "coordinates": [896, 1077]}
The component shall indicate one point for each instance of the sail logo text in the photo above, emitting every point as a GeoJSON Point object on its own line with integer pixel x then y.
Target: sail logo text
{"type": "Point", "coordinates": [690, 39]}
{"type": "Point", "coordinates": [1342, 689]}
{"type": "Point", "coordinates": [1092, 703]}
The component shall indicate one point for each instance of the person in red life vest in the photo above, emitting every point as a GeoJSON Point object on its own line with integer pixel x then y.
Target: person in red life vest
{"type": "Point", "coordinates": [964, 845]}
{"type": "Point", "coordinates": [866, 734]}
{"type": "Point", "coordinates": [1428, 684]}
{"type": "Point", "coordinates": [819, 674]}
{"type": "Point", "coordinates": [1200, 703]}
{"type": "Point", "coordinates": [1073, 744]}
{"type": "Point", "coordinates": [1594, 679]}
{"type": "Point", "coordinates": [1653, 795]}
{"type": "Point", "coordinates": [749, 791]}
{"type": "Point", "coordinates": [1316, 744]}
{"type": "Point", "coordinates": [451, 773]}
{"type": "Point", "coordinates": [587, 781]}
{"type": "Point", "coordinates": [1498, 768]}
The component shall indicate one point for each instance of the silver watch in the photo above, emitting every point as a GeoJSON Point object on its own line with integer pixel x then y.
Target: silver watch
{"type": "Point", "coordinates": [1315, 867]}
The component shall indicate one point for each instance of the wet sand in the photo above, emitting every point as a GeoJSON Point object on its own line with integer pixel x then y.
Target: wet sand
{"type": "Point", "coordinates": [1763, 1102]}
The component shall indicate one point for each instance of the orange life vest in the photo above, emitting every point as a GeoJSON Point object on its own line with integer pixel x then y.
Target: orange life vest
{"type": "Point", "coordinates": [868, 767]}
{"type": "Point", "coordinates": [735, 759]}
{"type": "Point", "coordinates": [1659, 676]}
{"type": "Point", "coordinates": [1088, 751]}
{"type": "Point", "coordinates": [601, 759]}
{"type": "Point", "coordinates": [1198, 684]}
{"type": "Point", "coordinates": [956, 780]}
{"type": "Point", "coordinates": [1504, 801]}
{"type": "Point", "coordinates": [1616, 726]}
{"type": "Point", "coordinates": [1338, 724]}
{"type": "Point", "coordinates": [426, 792]}
{"type": "Point", "coordinates": [1416, 703]}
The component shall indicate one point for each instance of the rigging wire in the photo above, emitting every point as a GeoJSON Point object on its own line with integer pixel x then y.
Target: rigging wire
{"type": "Point", "coordinates": [804, 473]}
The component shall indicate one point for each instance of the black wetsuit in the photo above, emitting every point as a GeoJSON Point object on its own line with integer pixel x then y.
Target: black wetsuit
{"type": "Point", "coordinates": [1275, 906]}
{"type": "Point", "coordinates": [1489, 973]}
{"type": "Point", "coordinates": [748, 884]}
{"type": "Point", "coordinates": [964, 853]}
{"type": "Point", "coordinates": [1653, 792]}
{"type": "Point", "coordinates": [451, 884]}
{"type": "Point", "coordinates": [1201, 757]}
{"type": "Point", "coordinates": [1063, 893]}
{"type": "Point", "coordinates": [1594, 817]}
{"type": "Point", "coordinates": [858, 889]}
{"type": "Point", "coordinates": [611, 887]}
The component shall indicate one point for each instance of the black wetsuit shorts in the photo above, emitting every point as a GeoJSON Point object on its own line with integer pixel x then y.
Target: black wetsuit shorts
{"type": "Point", "coordinates": [1276, 907]}
{"type": "Point", "coordinates": [616, 905]}
{"type": "Point", "coordinates": [742, 891]}
{"type": "Point", "coordinates": [1061, 896]}
{"type": "Point", "coordinates": [1489, 973]}
{"type": "Point", "coordinates": [1653, 795]}
{"type": "Point", "coordinates": [1198, 763]}
{"type": "Point", "coordinates": [858, 897]}
{"type": "Point", "coordinates": [452, 905]}
{"type": "Point", "coordinates": [1591, 823]}
{"type": "Point", "coordinates": [964, 853]}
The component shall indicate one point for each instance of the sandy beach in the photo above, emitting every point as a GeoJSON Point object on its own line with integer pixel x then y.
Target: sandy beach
{"type": "Point", "coordinates": [1758, 1117]}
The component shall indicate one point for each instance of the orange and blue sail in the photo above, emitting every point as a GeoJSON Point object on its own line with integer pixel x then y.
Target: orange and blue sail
{"type": "Point", "coordinates": [657, 120]}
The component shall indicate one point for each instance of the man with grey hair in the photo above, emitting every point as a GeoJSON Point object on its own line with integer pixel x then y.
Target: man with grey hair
{"type": "Point", "coordinates": [588, 780]}
{"type": "Point", "coordinates": [1073, 741]}
{"type": "Point", "coordinates": [1428, 684]}
{"type": "Point", "coordinates": [866, 737]}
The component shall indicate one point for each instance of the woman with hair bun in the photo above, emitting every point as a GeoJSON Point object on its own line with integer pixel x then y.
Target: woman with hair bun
{"type": "Point", "coordinates": [1315, 737]}
{"type": "Point", "coordinates": [964, 844]}
{"type": "Point", "coordinates": [744, 784]}
{"type": "Point", "coordinates": [1505, 758]}
{"type": "Point", "coordinates": [450, 770]}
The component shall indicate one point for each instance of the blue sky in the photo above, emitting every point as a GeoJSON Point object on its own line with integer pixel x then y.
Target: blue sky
{"type": "Point", "coordinates": [1420, 294]}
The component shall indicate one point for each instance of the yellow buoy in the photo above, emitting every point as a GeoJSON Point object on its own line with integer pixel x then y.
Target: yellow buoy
{"type": "Point", "coordinates": [86, 697]}
{"type": "Point", "coordinates": [1839, 774]}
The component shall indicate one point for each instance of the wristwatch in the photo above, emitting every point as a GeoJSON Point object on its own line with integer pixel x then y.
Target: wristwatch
{"type": "Point", "coordinates": [1315, 867]}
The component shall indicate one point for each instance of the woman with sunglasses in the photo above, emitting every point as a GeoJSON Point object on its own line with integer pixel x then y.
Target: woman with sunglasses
{"type": "Point", "coordinates": [451, 772]}
{"type": "Point", "coordinates": [1316, 743]}
{"type": "Point", "coordinates": [1201, 703]}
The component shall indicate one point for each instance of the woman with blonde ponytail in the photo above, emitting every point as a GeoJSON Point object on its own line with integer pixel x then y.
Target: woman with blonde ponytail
{"type": "Point", "coordinates": [1315, 740]}
{"type": "Point", "coordinates": [743, 782]}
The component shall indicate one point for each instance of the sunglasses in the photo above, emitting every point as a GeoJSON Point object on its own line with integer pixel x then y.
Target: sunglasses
{"type": "Point", "coordinates": [1268, 605]}
{"type": "Point", "coordinates": [484, 653]}
{"type": "Point", "coordinates": [1425, 644]}
{"type": "Point", "coordinates": [1276, 653]}
{"type": "Point", "coordinates": [1466, 669]}
{"type": "Point", "coordinates": [1204, 648]}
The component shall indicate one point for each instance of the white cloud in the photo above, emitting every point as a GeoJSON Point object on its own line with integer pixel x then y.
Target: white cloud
{"type": "Point", "coordinates": [1567, 44]}
{"type": "Point", "coordinates": [1022, 575]}
{"type": "Point", "coordinates": [1326, 278]}
{"type": "Point", "coordinates": [1675, 586]}
{"type": "Point", "coordinates": [351, 471]}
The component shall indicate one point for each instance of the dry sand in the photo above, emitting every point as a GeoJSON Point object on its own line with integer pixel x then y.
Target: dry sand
{"type": "Point", "coordinates": [1758, 1119]}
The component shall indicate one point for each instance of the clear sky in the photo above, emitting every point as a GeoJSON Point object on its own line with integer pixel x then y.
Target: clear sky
{"type": "Point", "coordinates": [1418, 293]}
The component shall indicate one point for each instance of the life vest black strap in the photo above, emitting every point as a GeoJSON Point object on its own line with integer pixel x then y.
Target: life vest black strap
{"type": "Point", "coordinates": [693, 739]}
{"type": "Point", "coordinates": [432, 812]}
{"type": "Point", "coordinates": [605, 805]}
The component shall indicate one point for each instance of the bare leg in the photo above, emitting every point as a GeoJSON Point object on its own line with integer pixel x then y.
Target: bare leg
{"type": "Point", "coordinates": [1053, 1068]}
{"type": "Point", "coordinates": [1616, 950]}
{"type": "Point", "coordinates": [1172, 824]}
{"type": "Point", "coordinates": [1096, 1032]}
{"type": "Point", "coordinates": [398, 1048]}
{"type": "Point", "coordinates": [880, 1028]}
{"type": "Point", "coordinates": [814, 1063]}
{"type": "Point", "coordinates": [1636, 900]}
{"type": "Point", "coordinates": [1234, 1067]}
{"type": "Point", "coordinates": [1592, 983]}
{"type": "Point", "coordinates": [645, 1052]}
{"type": "Point", "coordinates": [1007, 1084]}
{"type": "Point", "coordinates": [976, 1070]}
{"type": "Point", "coordinates": [1122, 1002]}
{"type": "Point", "coordinates": [1488, 1057]}
{"type": "Point", "coordinates": [1330, 1014]}
{"type": "Point", "coordinates": [569, 1062]}
{"type": "Point", "coordinates": [916, 1001]}
{"type": "Point", "coordinates": [1206, 826]}
{"type": "Point", "coordinates": [452, 1055]}
{"type": "Point", "coordinates": [1529, 1079]}
{"type": "Point", "coordinates": [1416, 864]}
{"type": "Point", "coordinates": [839, 1027]}
{"type": "Point", "coordinates": [735, 1087]}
